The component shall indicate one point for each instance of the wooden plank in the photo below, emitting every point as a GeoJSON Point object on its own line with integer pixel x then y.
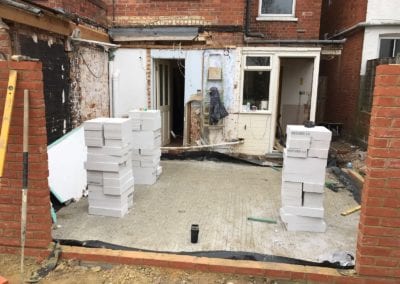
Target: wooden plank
{"type": "Point", "coordinates": [351, 211]}
{"type": "Point", "coordinates": [5, 127]}
{"type": "Point", "coordinates": [51, 23]}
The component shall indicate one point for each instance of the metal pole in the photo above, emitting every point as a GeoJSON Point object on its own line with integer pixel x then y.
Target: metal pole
{"type": "Point", "coordinates": [24, 180]}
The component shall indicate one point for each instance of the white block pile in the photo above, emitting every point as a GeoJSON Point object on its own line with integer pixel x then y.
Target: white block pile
{"type": "Point", "coordinates": [146, 134]}
{"type": "Point", "coordinates": [109, 166]}
{"type": "Point", "coordinates": [303, 178]}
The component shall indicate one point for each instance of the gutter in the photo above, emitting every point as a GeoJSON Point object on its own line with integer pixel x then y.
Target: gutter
{"type": "Point", "coordinates": [95, 42]}
{"type": "Point", "coordinates": [22, 6]}
{"type": "Point", "coordinates": [295, 41]}
{"type": "Point", "coordinates": [361, 25]}
{"type": "Point", "coordinates": [247, 31]}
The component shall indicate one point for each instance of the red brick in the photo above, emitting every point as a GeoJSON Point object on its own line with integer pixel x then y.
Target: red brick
{"type": "Point", "coordinates": [383, 70]}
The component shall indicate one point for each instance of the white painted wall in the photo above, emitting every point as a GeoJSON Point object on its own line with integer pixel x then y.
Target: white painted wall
{"type": "Point", "coordinates": [67, 176]}
{"type": "Point", "coordinates": [379, 10]}
{"type": "Point", "coordinates": [129, 80]}
{"type": "Point", "coordinates": [193, 67]}
{"type": "Point", "coordinates": [383, 10]}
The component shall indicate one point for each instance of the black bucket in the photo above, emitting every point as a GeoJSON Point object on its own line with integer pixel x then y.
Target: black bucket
{"type": "Point", "coordinates": [194, 233]}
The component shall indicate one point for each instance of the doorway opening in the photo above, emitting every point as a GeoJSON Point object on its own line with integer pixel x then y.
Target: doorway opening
{"type": "Point", "coordinates": [294, 95]}
{"type": "Point", "coordinates": [170, 99]}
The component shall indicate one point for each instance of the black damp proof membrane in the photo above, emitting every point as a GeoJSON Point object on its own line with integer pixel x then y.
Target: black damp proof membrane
{"type": "Point", "coordinates": [233, 255]}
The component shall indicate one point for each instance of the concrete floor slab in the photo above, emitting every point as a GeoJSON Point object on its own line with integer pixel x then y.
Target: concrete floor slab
{"type": "Point", "coordinates": [219, 197]}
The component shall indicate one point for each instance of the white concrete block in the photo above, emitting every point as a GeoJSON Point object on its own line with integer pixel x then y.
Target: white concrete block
{"type": "Point", "coordinates": [150, 114]}
{"type": "Point", "coordinates": [151, 123]}
{"type": "Point", "coordinates": [118, 175]}
{"type": "Point", "coordinates": [99, 199]}
{"type": "Point", "coordinates": [94, 177]}
{"type": "Point", "coordinates": [318, 153]}
{"type": "Point", "coordinates": [118, 128]}
{"type": "Point", "coordinates": [94, 142]}
{"type": "Point", "coordinates": [118, 190]}
{"type": "Point", "coordinates": [315, 133]}
{"type": "Point", "coordinates": [94, 124]}
{"type": "Point", "coordinates": [119, 181]}
{"type": "Point", "coordinates": [106, 167]}
{"type": "Point", "coordinates": [304, 211]}
{"type": "Point", "coordinates": [150, 164]}
{"type": "Point", "coordinates": [151, 152]}
{"type": "Point", "coordinates": [118, 213]}
{"type": "Point", "coordinates": [135, 163]}
{"type": "Point", "coordinates": [135, 114]}
{"type": "Point", "coordinates": [303, 224]}
{"type": "Point", "coordinates": [121, 143]}
{"type": "Point", "coordinates": [292, 185]}
{"type": "Point", "coordinates": [313, 200]}
{"type": "Point", "coordinates": [94, 134]}
{"type": "Point", "coordinates": [296, 153]}
{"type": "Point", "coordinates": [291, 193]}
{"type": "Point", "coordinates": [146, 139]}
{"type": "Point", "coordinates": [113, 151]}
{"type": "Point", "coordinates": [313, 187]}
{"type": "Point", "coordinates": [145, 175]}
{"type": "Point", "coordinates": [99, 158]}
{"type": "Point", "coordinates": [135, 151]}
{"type": "Point", "coordinates": [320, 144]}
{"type": "Point", "coordinates": [304, 143]}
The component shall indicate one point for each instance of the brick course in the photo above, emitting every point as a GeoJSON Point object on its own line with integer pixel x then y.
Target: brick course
{"type": "Point", "coordinates": [38, 235]}
{"type": "Point", "coordinates": [378, 251]}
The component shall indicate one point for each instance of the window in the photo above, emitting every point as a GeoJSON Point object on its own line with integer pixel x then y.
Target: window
{"type": "Point", "coordinates": [389, 47]}
{"type": "Point", "coordinates": [256, 79]}
{"type": "Point", "coordinates": [277, 9]}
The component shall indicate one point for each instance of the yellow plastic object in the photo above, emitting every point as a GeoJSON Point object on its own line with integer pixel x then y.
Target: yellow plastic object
{"type": "Point", "coordinates": [5, 127]}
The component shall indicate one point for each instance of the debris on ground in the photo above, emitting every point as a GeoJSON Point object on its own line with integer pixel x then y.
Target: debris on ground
{"type": "Point", "coordinates": [351, 211]}
{"type": "Point", "coordinates": [75, 272]}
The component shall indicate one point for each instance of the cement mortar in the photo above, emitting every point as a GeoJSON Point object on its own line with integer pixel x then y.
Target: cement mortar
{"type": "Point", "coordinates": [219, 197]}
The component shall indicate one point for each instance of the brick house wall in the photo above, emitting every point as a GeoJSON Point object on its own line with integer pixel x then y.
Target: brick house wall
{"type": "Point", "coordinates": [95, 10]}
{"type": "Point", "coordinates": [343, 72]}
{"type": "Point", "coordinates": [378, 251]}
{"type": "Point", "coordinates": [38, 234]}
{"type": "Point", "coordinates": [308, 13]}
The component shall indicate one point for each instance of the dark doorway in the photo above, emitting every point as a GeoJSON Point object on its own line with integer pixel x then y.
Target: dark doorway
{"type": "Point", "coordinates": [178, 102]}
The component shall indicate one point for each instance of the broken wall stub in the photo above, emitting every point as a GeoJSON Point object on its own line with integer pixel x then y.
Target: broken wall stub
{"type": "Point", "coordinates": [38, 234]}
{"type": "Point", "coordinates": [89, 84]}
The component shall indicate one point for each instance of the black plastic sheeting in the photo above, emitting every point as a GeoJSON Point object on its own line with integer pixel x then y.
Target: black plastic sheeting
{"type": "Point", "coordinates": [348, 182]}
{"type": "Point", "coordinates": [234, 255]}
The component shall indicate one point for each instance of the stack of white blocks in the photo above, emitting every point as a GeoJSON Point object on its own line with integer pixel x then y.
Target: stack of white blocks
{"type": "Point", "coordinates": [146, 134]}
{"type": "Point", "coordinates": [109, 166]}
{"type": "Point", "coordinates": [303, 178]}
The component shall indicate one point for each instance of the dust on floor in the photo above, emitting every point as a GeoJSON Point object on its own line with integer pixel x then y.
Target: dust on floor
{"type": "Point", "coordinates": [219, 197]}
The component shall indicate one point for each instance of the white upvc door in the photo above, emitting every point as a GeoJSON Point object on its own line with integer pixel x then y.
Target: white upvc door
{"type": "Point", "coordinates": [163, 94]}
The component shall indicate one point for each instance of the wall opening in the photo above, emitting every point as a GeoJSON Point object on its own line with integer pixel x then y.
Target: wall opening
{"type": "Point", "coordinates": [169, 88]}
{"type": "Point", "coordinates": [294, 95]}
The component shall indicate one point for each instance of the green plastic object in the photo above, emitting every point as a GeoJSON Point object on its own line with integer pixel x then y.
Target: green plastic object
{"type": "Point", "coordinates": [270, 221]}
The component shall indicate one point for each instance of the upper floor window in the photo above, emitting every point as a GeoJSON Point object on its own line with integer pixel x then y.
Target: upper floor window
{"type": "Point", "coordinates": [280, 10]}
{"type": "Point", "coordinates": [389, 47]}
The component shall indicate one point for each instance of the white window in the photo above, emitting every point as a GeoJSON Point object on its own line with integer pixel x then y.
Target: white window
{"type": "Point", "coordinates": [389, 47]}
{"type": "Point", "coordinates": [256, 83]}
{"type": "Point", "coordinates": [278, 10]}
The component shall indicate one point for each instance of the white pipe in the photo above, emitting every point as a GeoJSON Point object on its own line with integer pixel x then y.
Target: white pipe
{"type": "Point", "coordinates": [375, 23]}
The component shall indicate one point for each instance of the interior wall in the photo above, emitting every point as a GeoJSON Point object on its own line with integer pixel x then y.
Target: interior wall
{"type": "Point", "coordinates": [297, 79]}
{"type": "Point", "coordinates": [129, 80]}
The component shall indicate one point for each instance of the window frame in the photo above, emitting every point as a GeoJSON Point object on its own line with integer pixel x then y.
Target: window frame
{"type": "Point", "coordinates": [256, 68]}
{"type": "Point", "coordinates": [276, 17]}
{"type": "Point", "coordinates": [395, 37]}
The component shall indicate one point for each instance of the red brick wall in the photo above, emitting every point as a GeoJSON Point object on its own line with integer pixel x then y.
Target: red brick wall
{"type": "Point", "coordinates": [95, 10]}
{"type": "Point", "coordinates": [184, 12]}
{"type": "Point", "coordinates": [38, 221]}
{"type": "Point", "coordinates": [342, 14]}
{"type": "Point", "coordinates": [344, 83]}
{"type": "Point", "coordinates": [211, 12]}
{"type": "Point", "coordinates": [308, 13]}
{"type": "Point", "coordinates": [378, 251]}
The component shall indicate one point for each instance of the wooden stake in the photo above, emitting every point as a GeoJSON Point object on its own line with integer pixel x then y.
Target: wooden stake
{"type": "Point", "coordinates": [24, 180]}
